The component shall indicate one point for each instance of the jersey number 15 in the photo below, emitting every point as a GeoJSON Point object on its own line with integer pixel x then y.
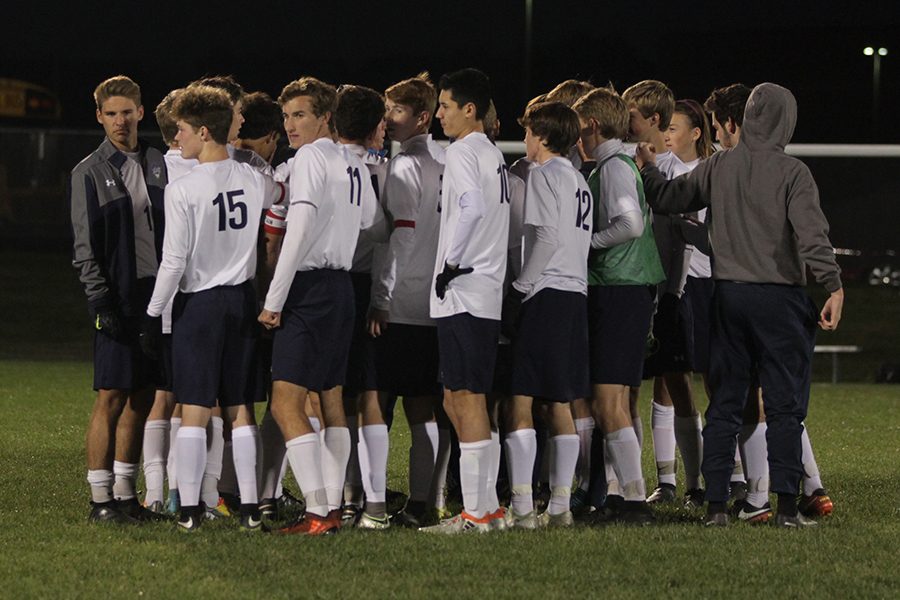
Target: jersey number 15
{"type": "Point", "coordinates": [235, 214]}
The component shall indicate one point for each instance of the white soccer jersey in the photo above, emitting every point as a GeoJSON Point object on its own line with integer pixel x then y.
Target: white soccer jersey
{"type": "Point", "coordinates": [474, 163]}
{"type": "Point", "coordinates": [365, 247]}
{"type": "Point", "coordinates": [412, 193]}
{"type": "Point", "coordinates": [558, 198]}
{"type": "Point", "coordinates": [516, 222]}
{"type": "Point", "coordinates": [177, 165]}
{"type": "Point", "coordinates": [212, 227]}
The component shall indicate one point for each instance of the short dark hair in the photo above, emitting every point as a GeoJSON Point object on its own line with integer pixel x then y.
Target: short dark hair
{"type": "Point", "coordinates": [555, 123]}
{"type": "Point", "coordinates": [262, 116]}
{"type": "Point", "coordinates": [359, 111]}
{"type": "Point", "coordinates": [469, 85]}
{"type": "Point", "coordinates": [226, 83]}
{"type": "Point", "coordinates": [728, 103]}
{"type": "Point", "coordinates": [205, 106]}
{"type": "Point", "coordinates": [164, 118]}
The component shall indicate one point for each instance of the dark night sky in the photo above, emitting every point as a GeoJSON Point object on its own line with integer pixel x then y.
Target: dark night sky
{"type": "Point", "coordinates": [693, 46]}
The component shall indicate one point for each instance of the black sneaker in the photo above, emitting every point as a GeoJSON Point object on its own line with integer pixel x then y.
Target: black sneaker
{"type": "Point", "coordinates": [737, 491]}
{"type": "Point", "coordinates": [693, 499]}
{"type": "Point", "coordinates": [635, 512]}
{"type": "Point", "coordinates": [408, 518]}
{"type": "Point", "coordinates": [268, 508]}
{"type": "Point", "coordinates": [190, 519]}
{"type": "Point", "coordinates": [664, 494]}
{"type": "Point", "coordinates": [107, 513]}
{"type": "Point", "coordinates": [716, 519]}
{"type": "Point", "coordinates": [133, 509]}
{"type": "Point", "coordinates": [251, 519]}
{"type": "Point", "coordinates": [797, 521]}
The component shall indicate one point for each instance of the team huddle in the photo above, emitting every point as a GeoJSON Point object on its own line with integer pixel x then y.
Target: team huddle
{"type": "Point", "coordinates": [524, 303]}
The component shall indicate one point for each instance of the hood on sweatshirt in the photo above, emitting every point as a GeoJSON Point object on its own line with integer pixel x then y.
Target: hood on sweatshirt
{"type": "Point", "coordinates": [769, 118]}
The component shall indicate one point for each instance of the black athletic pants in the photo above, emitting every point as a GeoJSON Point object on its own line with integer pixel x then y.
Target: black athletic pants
{"type": "Point", "coordinates": [770, 328]}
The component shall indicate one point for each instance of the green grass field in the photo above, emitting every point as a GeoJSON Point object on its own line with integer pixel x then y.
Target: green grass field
{"type": "Point", "coordinates": [49, 549]}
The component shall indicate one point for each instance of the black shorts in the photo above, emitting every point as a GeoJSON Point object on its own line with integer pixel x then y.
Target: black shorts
{"type": "Point", "coordinates": [165, 363]}
{"type": "Point", "coordinates": [311, 346]}
{"type": "Point", "coordinates": [673, 328]}
{"type": "Point", "coordinates": [263, 368]}
{"type": "Point", "coordinates": [699, 292]}
{"type": "Point", "coordinates": [214, 335]}
{"type": "Point", "coordinates": [407, 360]}
{"type": "Point", "coordinates": [550, 352]}
{"type": "Point", "coordinates": [618, 324]}
{"type": "Point", "coordinates": [361, 366]}
{"type": "Point", "coordinates": [503, 369]}
{"type": "Point", "coordinates": [468, 351]}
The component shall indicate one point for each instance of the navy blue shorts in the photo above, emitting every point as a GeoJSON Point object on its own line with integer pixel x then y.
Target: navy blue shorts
{"type": "Point", "coordinates": [263, 367]}
{"type": "Point", "coordinates": [407, 360]}
{"type": "Point", "coordinates": [214, 335]}
{"type": "Point", "coordinates": [165, 363]}
{"type": "Point", "coordinates": [699, 293]}
{"type": "Point", "coordinates": [361, 365]}
{"type": "Point", "coordinates": [550, 352]}
{"type": "Point", "coordinates": [468, 351]}
{"type": "Point", "coordinates": [618, 324]}
{"type": "Point", "coordinates": [503, 369]}
{"type": "Point", "coordinates": [673, 328]}
{"type": "Point", "coordinates": [310, 348]}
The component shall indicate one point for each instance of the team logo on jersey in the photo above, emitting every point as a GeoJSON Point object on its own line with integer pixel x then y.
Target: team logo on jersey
{"type": "Point", "coordinates": [110, 183]}
{"type": "Point", "coordinates": [157, 171]}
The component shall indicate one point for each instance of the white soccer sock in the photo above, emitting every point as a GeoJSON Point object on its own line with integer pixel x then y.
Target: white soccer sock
{"type": "Point", "coordinates": [584, 428]}
{"type": "Point", "coordinates": [441, 464]}
{"type": "Point", "coordinates": [156, 443]}
{"type": "Point", "coordinates": [353, 483]}
{"type": "Point", "coordinates": [662, 420]}
{"type": "Point", "coordinates": [521, 451]}
{"type": "Point", "coordinates": [374, 447]}
{"type": "Point", "coordinates": [125, 474]}
{"type": "Point", "coordinates": [422, 454]}
{"type": "Point", "coordinates": [492, 502]}
{"type": "Point", "coordinates": [172, 460]}
{"type": "Point", "coordinates": [244, 443]}
{"type": "Point", "coordinates": [811, 478]}
{"type": "Point", "coordinates": [756, 462]}
{"type": "Point", "coordinates": [315, 424]}
{"type": "Point", "coordinates": [279, 487]}
{"type": "Point", "coordinates": [563, 457]}
{"type": "Point", "coordinates": [101, 482]}
{"type": "Point", "coordinates": [737, 474]}
{"type": "Point", "coordinates": [228, 481]}
{"type": "Point", "coordinates": [474, 462]}
{"type": "Point", "coordinates": [209, 490]}
{"type": "Point", "coordinates": [191, 462]}
{"type": "Point", "coordinates": [304, 453]}
{"type": "Point", "coordinates": [335, 453]}
{"type": "Point", "coordinates": [612, 481]}
{"type": "Point", "coordinates": [638, 425]}
{"type": "Point", "coordinates": [273, 456]}
{"type": "Point", "coordinates": [626, 453]}
{"type": "Point", "coordinates": [689, 436]}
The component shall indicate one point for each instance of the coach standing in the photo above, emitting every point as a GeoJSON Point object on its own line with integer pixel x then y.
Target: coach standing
{"type": "Point", "coordinates": [116, 200]}
{"type": "Point", "coordinates": [766, 228]}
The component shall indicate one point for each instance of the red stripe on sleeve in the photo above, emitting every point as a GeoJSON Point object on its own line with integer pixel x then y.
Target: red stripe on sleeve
{"type": "Point", "coordinates": [402, 223]}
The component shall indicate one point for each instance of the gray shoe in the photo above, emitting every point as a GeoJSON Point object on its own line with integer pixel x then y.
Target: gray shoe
{"type": "Point", "coordinates": [554, 521]}
{"type": "Point", "coordinates": [527, 521]}
{"type": "Point", "coordinates": [367, 521]}
{"type": "Point", "coordinates": [795, 522]}
{"type": "Point", "coordinates": [717, 519]}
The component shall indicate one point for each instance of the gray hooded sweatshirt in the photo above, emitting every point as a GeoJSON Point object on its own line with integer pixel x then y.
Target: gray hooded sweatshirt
{"type": "Point", "coordinates": [764, 205]}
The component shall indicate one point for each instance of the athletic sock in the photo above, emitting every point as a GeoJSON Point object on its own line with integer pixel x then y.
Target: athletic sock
{"type": "Point", "coordinates": [737, 474]}
{"type": "Point", "coordinates": [353, 483]}
{"type": "Point", "coordinates": [172, 459]}
{"type": "Point", "coordinates": [812, 481]}
{"type": "Point", "coordinates": [612, 480]}
{"type": "Point", "coordinates": [315, 424]}
{"type": "Point", "coordinates": [563, 457]}
{"type": "Point", "coordinates": [787, 505]}
{"type": "Point", "coordinates": [191, 462]}
{"type": "Point", "coordinates": [125, 475]}
{"type": "Point", "coordinates": [215, 447]}
{"type": "Point", "coordinates": [492, 502]}
{"type": "Point", "coordinates": [335, 453]}
{"type": "Point", "coordinates": [101, 482]}
{"type": "Point", "coordinates": [373, 454]}
{"type": "Point", "coordinates": [244, 443]}
{"type": "Point", "coordinates": [638, 425]}
{"type": "Point", "coordinates": [626, 455]}
{"type": "Point", "coordinates": [304, 454]}
{"type": "Point", "coordinates": [662, 421]}
{"type": "Point", "coordinates": [228, 481]}
{"type": "Point", "coordinates": [756, 463]}
{"type": "Point", "coordinates": [474, 462]}
{"type": "Point", "coordinates": [441, 464]}
{"type": "Point", "coordinates": [422, 455]}
{"type": "Point", "coordinates": [273, 456]}
{"type": "Point", "coordinates": [521, 451]}
{"type": "Point", "coordinates": [156, 445]}
{"type": "Point", "coordinates": [689, 437]}
{"type": "Point", "coordinates": [584, 428]}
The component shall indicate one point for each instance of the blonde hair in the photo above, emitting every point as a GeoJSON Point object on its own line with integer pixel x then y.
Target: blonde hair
{"type": "Point", "coordinates": [416, 92]}
{"type": "Point", "coordinates": [120, 85]}
{"type": "Point", "coordinates": [164, 117]}
{"type": "Point", "coordinates": [608, 109]}
{"type": "Point", "coordinates": [322, 95]}
{"type": "Point", "coordinates": [569, 91]}
{"type": "Point", "coordinates": [651, 96]}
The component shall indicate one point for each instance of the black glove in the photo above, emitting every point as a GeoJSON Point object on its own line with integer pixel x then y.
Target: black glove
{"type": "Point", "coordinates": [151, 336]}
{"type": "Point", "coordinates": [109, 323]}
{"type": "Point", "coordinates": [446, 276]}
{"type": "Point", "coordinates": [509, 315]}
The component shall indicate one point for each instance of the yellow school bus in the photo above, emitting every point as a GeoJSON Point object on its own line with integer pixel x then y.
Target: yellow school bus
{"type": "Point", "coordinates": [24, 100]}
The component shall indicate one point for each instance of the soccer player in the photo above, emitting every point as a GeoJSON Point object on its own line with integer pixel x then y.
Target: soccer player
{"type": "Point", "coordinates": [116, 201]}
{"type": "Point", "coordinates": [469, 270]}
{"type": "Point", "coordinates": [209, 256]}
{"type": "Point", "coordinates": [310, 299]}
{"type": "Point", "coordinates": [623, 264]}
{"type": "Point", "coordinates": [262, 127]}
{"type": "Point", "coordinates": [546, 311]}
{"type": "Point", "coordinates": [400, 299]}
{"type": "Point", "coordinates": [766, 227]}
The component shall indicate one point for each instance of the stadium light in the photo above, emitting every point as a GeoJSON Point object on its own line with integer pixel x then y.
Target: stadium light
{"type": "Point", "coordinates": [868, 51]}
{"type": "Point", "coordinates": [876, 82]}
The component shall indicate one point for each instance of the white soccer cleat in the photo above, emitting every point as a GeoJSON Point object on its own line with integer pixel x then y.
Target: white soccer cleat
{"type": "Point", "coordinates": [461, 523]}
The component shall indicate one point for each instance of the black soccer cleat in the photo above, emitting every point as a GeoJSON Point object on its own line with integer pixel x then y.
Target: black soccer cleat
{"type": "Point", "coordinates": [133, 509]}
{"type": "Point", "coordinates": [106, 513]}
{"type": "Point", "coordinates": [635, 512]}
{"type": "Point", "coordinates": [190, 519]}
